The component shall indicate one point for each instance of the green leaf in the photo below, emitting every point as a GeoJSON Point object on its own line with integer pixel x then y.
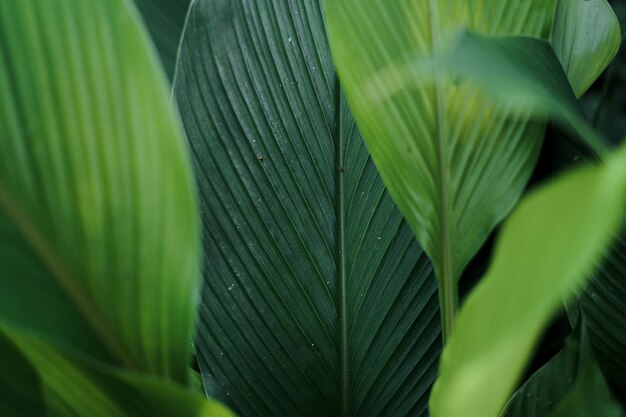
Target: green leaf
{"type": "Point", "coordinates": [602, 303]}
{"type": "Point", "coordinates": [586, 37]}
{"type": "Point", "coordinates": [454, 163]}
{"type": "Point", "coordinates": [70, 387]}
{"type": "Point", "coordinates": [569, 385]}
{"type": "Point", "coordinates": [532, 270]}
{"type": "Point", "coordinates": [317, 299]}
{"type": "Point", "coordinates": [602, 300]}
{"type": "Point", "coordinates": [165, 20]}
{"type": "Point", "coordinates": [523, 72]}
{"type": "Point", "coordinates": [97, 203]}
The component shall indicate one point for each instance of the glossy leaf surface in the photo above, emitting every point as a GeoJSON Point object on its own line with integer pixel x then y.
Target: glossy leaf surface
{"type": "Point", "coordinates": [317, 299]}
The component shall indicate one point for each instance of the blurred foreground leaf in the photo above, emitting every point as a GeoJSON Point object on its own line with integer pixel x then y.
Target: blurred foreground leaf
{"type": "Point", "coordinates": [96, 194]}
{"type": "Point", "coordinates": [547, 247]}
{"type": "Point", "coordinates": [61, 387]}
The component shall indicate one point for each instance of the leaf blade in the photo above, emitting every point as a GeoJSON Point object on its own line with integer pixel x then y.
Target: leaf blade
{"type": "Point", "coordinates": [569, 384]}
{"type": "Point", "coordinates": [586, 38]}
{"type": "Point", "coordinates": [491, 358]}
{"type": "Point", "coordinates": [300, 237]}
{"type": "Point", "coordinates": [62, 386]}
{"type": "Point", "coordinates": [583, 234]}
{"type": "Point", "coordinates": [438, 144]}
{"type": "Point", "coordinates": [80, 89]}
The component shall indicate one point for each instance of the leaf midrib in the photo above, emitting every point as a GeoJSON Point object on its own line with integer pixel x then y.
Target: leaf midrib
{"type": "Point", "coordinates": [447, 281]}
{"type": "Point", "coordinates": [340, 244]}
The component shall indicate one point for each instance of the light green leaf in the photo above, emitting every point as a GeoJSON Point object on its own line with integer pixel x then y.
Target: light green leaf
{"type": "Point", "coordinates": [317, 299]}
{"type": "Point", "coordinates": [495, 334]}
{"type": "Point", "coordinates": [165, 20]}
{"type": "Point", "coordinates": [96, 197]}
{"type": "Point", "coordinates": [547, 247]}
{"type": "Point", "coordinates": [601, 301]}
{"type": "Point", "coordinates": [532, 82]}
{"type": "Point", "coordinates": [586, 37]}
{"type": "Point", "coordinates": [454, 163]}
{"type": "Point", "coordinates": [569, 385]}
{"type": "Point", "coordinates": [65, 387]}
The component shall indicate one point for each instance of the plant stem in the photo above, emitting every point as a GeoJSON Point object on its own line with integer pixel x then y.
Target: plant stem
{"type": "Point", "coordinates": [448, 292]}
{"type": "Point", "coordinates": [448, 300]}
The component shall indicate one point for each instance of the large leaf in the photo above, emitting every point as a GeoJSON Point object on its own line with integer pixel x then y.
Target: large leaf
{"type": "Point", "coordinates": [97, 208]}
{"type": "Point", "coordinates": [586, 37]}
{"type": "Point", "coordinates": [454, 163]}
{"type": "Point", "coordinates": [532, 270]}
{"type": "Point", "coordinates": [165, 20]}
{"type": "Point", "coordinates": [37, 380]}
{"type": "Point", "coordinates": [569, 385]}
{"type": "Point", "coordinates": [317, 299]}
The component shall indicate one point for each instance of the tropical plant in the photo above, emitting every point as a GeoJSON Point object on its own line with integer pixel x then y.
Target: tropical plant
{"type": "Point", "coordinates": [317, 297]}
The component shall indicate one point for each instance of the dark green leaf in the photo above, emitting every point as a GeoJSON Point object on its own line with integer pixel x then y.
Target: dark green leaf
{"type": "Point", "coordinates": [603, 306]}
{"type": "Point", "coordinates": [317, 300]}
{"type": "Point", "coordinates": [165, 20]}
{"type": "Point", "coordinates": [569, 385]}
{"type": "Point", "coordinates": [20, 388]}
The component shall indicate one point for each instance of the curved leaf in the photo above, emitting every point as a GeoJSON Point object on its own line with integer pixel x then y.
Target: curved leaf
{"type": "Point", "coordinates": [495, 333]}
{"type": "Point", "coordinates": [453, 162]}
{"type": "Point", "coordinates": [165, 20]}
{"type": "Point", "coordinates": [601, 301]}
{"type": "Point", "coordinates": [317, 299]}
{"type": "Point", "coordinates": [96, 190]}
{"type": "Point", "coordinates": [569, 385]}
{"type": "Point", "coordinates": [586, 37]}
